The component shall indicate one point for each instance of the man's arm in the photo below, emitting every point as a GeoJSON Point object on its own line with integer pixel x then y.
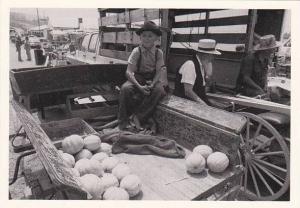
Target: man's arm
{"type": "Point", "coordinates": [188, 91]}
{"type": "Point", "coordinates": [246, 71]}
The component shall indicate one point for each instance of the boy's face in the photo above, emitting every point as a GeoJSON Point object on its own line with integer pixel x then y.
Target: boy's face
{"type": "Point", "coordinates": [148, 38]}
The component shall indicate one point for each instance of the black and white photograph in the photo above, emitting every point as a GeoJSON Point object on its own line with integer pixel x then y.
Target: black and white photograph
{"type": "Point", "coordinates": [168, 104]}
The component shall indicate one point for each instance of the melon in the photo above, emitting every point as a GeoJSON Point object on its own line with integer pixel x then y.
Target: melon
{"type": "Point", "coordinates": [75, 172]}
{"type": "Point", "coordinates": [86, 166]}
{"type": "Point", "coordinates": [60, 152]}
{"type": "Point", "coordinates": [217, 162]}
{"type": "Point", "coordinates": [204, 150]}
{"type": "Point", "coordinates": [72, 144]}
{"type": "Point", "coordinates": [115, 193]}
{"type": "Point", "coordinates": [84, 153]}
{"type": "Point", "coordinates": [195, 163]}
{"type": "Point", "coordinates": [99, 156]}
{"type": "Point", "coordinates": [121, 170]}
{"type": "Point", "coordinates": [95, 167]}
{"type": "Point", "coordinates": [93, 185]}
{"type": "Point", "coordinates": [83, 166]}
{"type": "Point", "coordinates": [109, 163]}
{"type": "Point", "coordinates": [104, 147]}
{"type": "Point", "coordinates": [68, 159]}
{"type": "Point", "coordinates": [109, 180]}
{"type": "Point", "coordinates": [92, 142]}
{"type": "Point", "coordinates": [132, 184]}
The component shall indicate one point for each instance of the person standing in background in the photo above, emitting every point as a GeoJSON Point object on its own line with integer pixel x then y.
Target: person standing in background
{"type": "Point", "coordinates": [18, 47]}
{"type": "Point", "coordinates": [27, 48]}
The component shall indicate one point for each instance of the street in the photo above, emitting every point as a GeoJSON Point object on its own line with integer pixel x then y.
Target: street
{"type": "Point", "coordinates": [13, 58]}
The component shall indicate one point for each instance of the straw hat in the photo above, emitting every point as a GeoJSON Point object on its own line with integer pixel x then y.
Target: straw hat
{"type": "Point", "coordinates": [149, 26]}
{"type": "Point", "coordinates": [266, 42]}
{"type": "Point", "coordinates": [207, 46]}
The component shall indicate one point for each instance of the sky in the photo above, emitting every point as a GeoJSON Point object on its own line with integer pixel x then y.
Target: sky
{"type": "Point", "coordinates": [65, 16]}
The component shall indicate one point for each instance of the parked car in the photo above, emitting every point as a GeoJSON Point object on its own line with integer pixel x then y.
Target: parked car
{"type": "Point", "coordinates": [34, 41]}
{"type": "Point", "coordinates": [87, 52]}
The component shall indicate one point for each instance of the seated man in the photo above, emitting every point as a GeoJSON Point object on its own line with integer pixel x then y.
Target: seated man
{"type": "Point", "coordinates": [252, 80]}
{"type": "Point", "coordinates": [194, 78]}
{"type": "Point", "coordinates": [145, 66]}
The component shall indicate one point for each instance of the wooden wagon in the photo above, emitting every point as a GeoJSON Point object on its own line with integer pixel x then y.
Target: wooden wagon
{"type": "Point", "coordinates": [162, 178]}
{"type": "Point", "coordinates": [266, 170]}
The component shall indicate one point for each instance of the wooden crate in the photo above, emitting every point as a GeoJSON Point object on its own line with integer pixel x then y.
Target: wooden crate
{"type": "Point", "coordinates": [110, 107]}
{"type": "Point", "coordinates": [58, 130]}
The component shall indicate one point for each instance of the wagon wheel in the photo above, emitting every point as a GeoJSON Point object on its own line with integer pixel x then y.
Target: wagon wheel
{"type": "Point", "coordinates": [262, 179]}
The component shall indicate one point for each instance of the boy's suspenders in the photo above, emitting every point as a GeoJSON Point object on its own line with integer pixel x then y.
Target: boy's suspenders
{"type": "Point", "coordinates": [140, 58]}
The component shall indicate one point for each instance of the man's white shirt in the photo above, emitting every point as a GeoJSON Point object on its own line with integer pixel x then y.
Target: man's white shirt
{"type": "Point", "coordinates": [188, 72]}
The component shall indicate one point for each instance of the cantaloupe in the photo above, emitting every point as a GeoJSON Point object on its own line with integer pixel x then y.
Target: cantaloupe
{"type": "Point", "coordinates": [93, 185]}
{"type": "Point", "coordinates": [109, 180]}
{"type": "Point", "coordinates": [72, 144]}
{"type": "Point", "coordinates": [109, 163]}
{"type": "Point", "coordinates": [95, 167]}
{"type": "Point", "coordinates": [68, 160]}
{"type": "Point", "coordinates": [195, 163]}
{"type": "Point", "coordinates": [115, 193]}
{"type": "Point", "coordinates": [92, 142]}
{"type": "Point", "coordinates": [132, 184]}
{"type": "Point", "coordinates": [104, 147]}
{"type": "Point", "coordinates": [75, 172]}
{"type": "Point", "coordinates": [84, 153]}
{"type": "Point", "coordinates": [83, 166]}
{"type": "Point", "coordinates": [121, 170]}
{"type": "Point", "coordinates": [99, 156]}
{"type": "Point", "coordinates": [217, 162]}
{"type": "Point", "coordinates": [204, 150]}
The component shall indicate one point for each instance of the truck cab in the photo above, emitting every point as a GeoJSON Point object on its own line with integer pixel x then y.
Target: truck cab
{"type": "Point", "coordinates": [87, 52]}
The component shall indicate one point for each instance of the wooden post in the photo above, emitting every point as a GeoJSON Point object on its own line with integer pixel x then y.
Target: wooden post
{"type": "Point", "coordinates": [250, 30]}
{"type": "Point", "coordinates": [128, 26]}
{"type": "Point", "coordinates": [207, 23]}
{"type": "Point", "coordinates": [166, 23]}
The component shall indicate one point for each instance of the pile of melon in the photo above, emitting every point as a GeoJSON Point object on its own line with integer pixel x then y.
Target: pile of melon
{"type": "Point", "coordinates": [102, 175]}
{"type": "Point", "coordinates": [203, 156]}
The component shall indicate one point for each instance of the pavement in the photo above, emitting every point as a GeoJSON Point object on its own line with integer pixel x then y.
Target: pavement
{"type": "Point", "coordinates": [16, 189]}
{"type": "Point", "coordinates": [13, 58]}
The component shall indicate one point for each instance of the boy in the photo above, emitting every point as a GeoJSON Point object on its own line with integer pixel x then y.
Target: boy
{"type": "Point", "coordinates": [142, 91]}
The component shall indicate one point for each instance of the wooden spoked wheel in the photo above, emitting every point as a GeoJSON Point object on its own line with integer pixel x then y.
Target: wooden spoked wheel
{"type": "Point", "coordinates": [266, 160]}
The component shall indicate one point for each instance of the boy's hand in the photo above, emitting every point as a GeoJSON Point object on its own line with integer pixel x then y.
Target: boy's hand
{"type": "Point", "coordinates": [145, 89]}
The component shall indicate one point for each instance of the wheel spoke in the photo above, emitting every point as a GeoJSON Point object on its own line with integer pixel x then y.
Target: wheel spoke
{"type": "Point", "coordinates": [263, 179]}
{"type": "Point", "coordinates": [246, 176]}
{"type": "Point", "coordinates": [256, 134]}
{"type": "Point", "coordinates": [254, 180]}
{"type": "Point", "coordinates": [271, 165]}
{"type": "Point", "coordinates": [269, 153]}
{"type": "Point", "coordinates": [269, 174]}
{"type": "Point", "coordinates": [248, 131]}
{"type": "Point", "coordinates": [242, 139]}
{"type": "Point", "coordinates": [263, 144]}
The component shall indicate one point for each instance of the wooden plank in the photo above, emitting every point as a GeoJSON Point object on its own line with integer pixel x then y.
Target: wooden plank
{"type": "Point", "coordinates": [238, 20]}
{"type": "Point", "coordinates": [123, 55]}
{"type": "Point", "coordinates": [61, 176]}
{"type": "Point", "coordinates": [234, 38]}
{"type": "Point", "coordinates": [167, 21]}
{"type": "Point", "coordinates": [136, 15]}
{"type": "Point", "coordinates": [67, 77]}
{"type": "Point", "coordinates": [192, 11]}
{"type": "Point", "coordinates": [168, 178]}
{"type": "Point", "coordinates": [255, 103]}
{"type": "Point", "coordinates": [216, 117]}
